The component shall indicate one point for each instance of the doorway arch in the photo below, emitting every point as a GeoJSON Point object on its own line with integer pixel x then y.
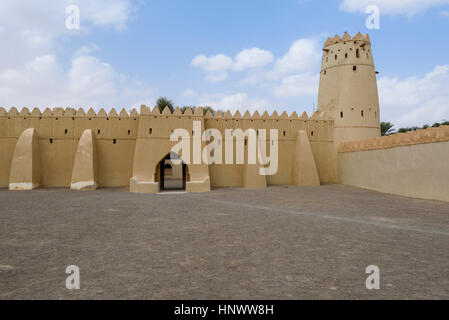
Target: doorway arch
{"type": "Point", "coordinates": [177, 180]}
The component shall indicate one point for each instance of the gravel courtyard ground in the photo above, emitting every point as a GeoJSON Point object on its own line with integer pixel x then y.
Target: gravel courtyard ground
{"type": "Point", "coordinates": [275, 243]}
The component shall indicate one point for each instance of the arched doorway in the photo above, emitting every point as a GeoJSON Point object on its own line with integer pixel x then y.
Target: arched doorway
{"type": "Point", "coordinates": [170, 175]}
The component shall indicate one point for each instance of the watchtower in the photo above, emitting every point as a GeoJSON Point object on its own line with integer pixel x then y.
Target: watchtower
{"type": "Point", "coordinates": [348, 88]}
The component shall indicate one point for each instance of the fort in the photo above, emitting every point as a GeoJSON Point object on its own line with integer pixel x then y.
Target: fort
{"type": "Point", "coordinates": [339, 143]}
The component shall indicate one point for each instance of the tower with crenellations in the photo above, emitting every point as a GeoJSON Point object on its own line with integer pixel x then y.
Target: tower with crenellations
{"type": "Point", "coordinates": [348, 89]}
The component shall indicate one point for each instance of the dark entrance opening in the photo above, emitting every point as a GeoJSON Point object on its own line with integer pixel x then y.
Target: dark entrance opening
{"type": "Point", "coordinates": [172, 176]}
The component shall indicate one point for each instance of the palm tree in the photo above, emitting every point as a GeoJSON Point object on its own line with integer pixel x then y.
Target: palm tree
{"type": "Point", "coordinates": [163, 102]}
{"type": "Point", "coordinates": [386, 128]}
{"type": "Point", "coordinates": [205, 109]}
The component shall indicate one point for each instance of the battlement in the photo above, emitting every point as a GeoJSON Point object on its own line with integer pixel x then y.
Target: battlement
{"type": "Point", "coordinates": [421, 136]}
{"type": "Point", "coordinates": [59, 124]}
{"type": "Point", "coordinates": [346, 38]}
{"type": "Point", "coordinates": [145, 111]}
{"type": "Point", "coordinates": [67, 112]}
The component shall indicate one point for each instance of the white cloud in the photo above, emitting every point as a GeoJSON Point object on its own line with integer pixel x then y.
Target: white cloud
{"type": "Point", "coordinates": [252, 58]}
{"type": "Point", "coordinates": [233, 102]}
{"type": "Point", "coordinates": [296, 74]}
{"type": "Point", "coordinates": [217, 67]}
{"type": "Point", "coordinates": [189, 93]}
{"type": "Point", "coordinates": [37, 77]}
{"type": "Point", "coordinates": [444, 13]}
{"type": "Point", "coordinates": [415, 101]}
{"type": "Point", "coordinates": [86, 50]}
{"type": "Point", "coordinates": [43, 82]}
{"type": "Point", "coordinates": [49, 17]}
{"type": "Point", "coordinates": [304, 55]}
{"type": "Point", "coordinates": [89, 78]}
{"type": "Point", "coordinates": [33, 28]}
{"type": "Point", "coordinates": [32, 74]}
{"type": "Point", "coordinates": [434, 110]}
{"type": "Point", "coordinates": [105, 13]}
{"type": "Point", "coordinates": [392, 7]}
{"type": "Point", "coordinates": [216, 76]}
{"type": "Point", "coordinates": [219, 62]}
{"type": "Point", "coordinates": [297, 85]}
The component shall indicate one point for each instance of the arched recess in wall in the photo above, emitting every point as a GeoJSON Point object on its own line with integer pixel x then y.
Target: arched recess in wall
{"type": "Point", "coordinates": [160, 170]}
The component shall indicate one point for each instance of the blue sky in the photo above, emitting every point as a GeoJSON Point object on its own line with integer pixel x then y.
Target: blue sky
{"type": "Point", "coordinates": [231, 54]}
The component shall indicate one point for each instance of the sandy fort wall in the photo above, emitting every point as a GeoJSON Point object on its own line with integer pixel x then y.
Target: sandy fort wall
{"type": "Point", "coordinates": [116, 136]}
{"type": "Point", "coordinates": [413, 164]}
{"type": "Point", "coordinates": [59, 131]}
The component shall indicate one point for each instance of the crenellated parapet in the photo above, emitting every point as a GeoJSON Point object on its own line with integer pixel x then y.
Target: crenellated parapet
{"type": "Point", "coordinates": [318, 125]}
{"type": "Point", "coordinates": [156, 124]}
{"type": "Point", "coordinates": [346, 38]}
{"type": "Point", "coordinates": [145, 110]}
{"type": "Point", "coordinates": [65, 112]}
{"type": "Point", "coordinates": [70, 123]}
{"type": "Point", "coordinates": [430, 135]}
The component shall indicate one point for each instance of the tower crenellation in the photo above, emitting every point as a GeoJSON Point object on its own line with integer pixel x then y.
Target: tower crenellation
{"type": "Point", "coordinates": [348, 90]}
{"type": "Point", "coordinates": [348, 87]}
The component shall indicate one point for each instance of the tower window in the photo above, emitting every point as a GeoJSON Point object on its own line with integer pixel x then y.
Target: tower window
{"type": "Point", "coordinates": [65, 131]}
{"type": "Point", "coordinates": [284, 133]}
{"type": "Point", "coordinates": [346, 55]}
{"type": "Point", "coordinates": [361, 113]}
{"type": "Point", "coordinates": [151, 130]}
{"type": "Point", "coordinates": [341, 114]}
{"type": "Point", "coordinates": [114, 141]}
{"type": "Point", "coordinates": [357, 53]}
{"type": "Point", "coordinates": [129, 132]}
{"type": "Point", "coordinates": [335, 57]}
{"type": "Point", "coordinates": [324, 72]}
{"type": "Point", "coordinates": [354, 68]}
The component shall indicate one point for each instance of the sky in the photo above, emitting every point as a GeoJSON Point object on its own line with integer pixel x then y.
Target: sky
{"type": "Point", "coordinates": [233, 54]}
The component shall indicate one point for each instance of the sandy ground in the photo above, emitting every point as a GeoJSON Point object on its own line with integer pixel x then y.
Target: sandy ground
{"type": "Point", "coordinates": [275, 243]}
